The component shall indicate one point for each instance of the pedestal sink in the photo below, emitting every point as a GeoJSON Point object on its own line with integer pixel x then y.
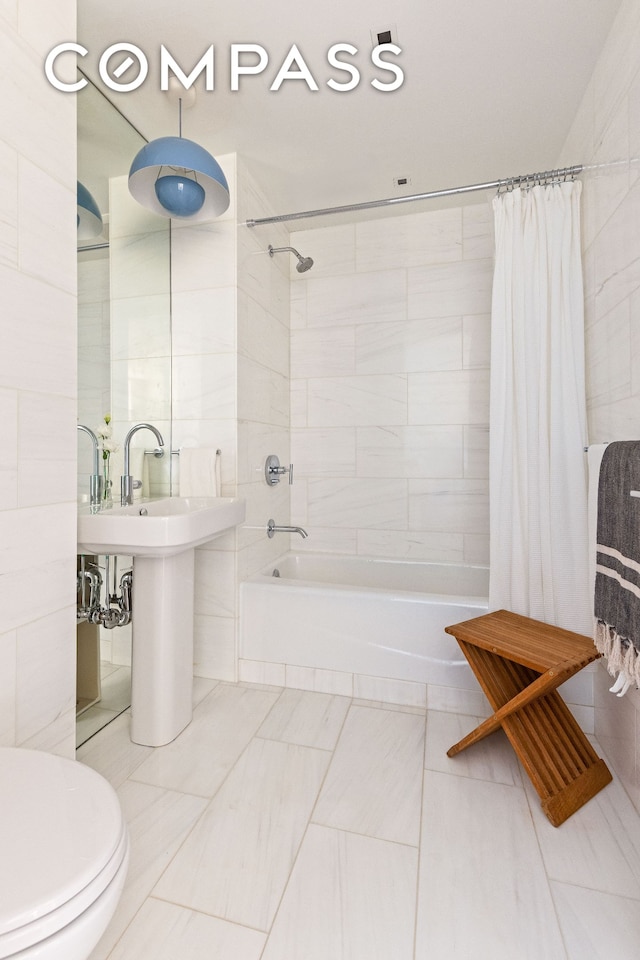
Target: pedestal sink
{"type": "Point", "coordinates": [161, 536]}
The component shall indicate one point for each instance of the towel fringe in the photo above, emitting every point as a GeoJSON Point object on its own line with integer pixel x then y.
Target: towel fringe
{"type": "Point", "coordinates": [620, 654]}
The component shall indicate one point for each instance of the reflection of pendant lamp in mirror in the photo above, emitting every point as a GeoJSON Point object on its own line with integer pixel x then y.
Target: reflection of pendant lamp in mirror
{"type": "Point", "coordinates": [88, 215]}
{"type": "Point", "coordinates": [176, 177]}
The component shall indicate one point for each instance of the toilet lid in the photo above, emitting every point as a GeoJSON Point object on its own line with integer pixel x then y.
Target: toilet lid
{"type": "Point", "coordinates": [60, 826]}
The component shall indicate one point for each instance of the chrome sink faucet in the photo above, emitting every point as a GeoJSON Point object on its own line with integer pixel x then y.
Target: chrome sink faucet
{"type": "Point", "coordinates": [95, 480]}
{"type": "Point", "coordinates": [126, 480]}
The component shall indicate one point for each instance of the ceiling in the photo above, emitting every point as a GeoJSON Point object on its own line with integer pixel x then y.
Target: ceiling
{"type": "Point", "coordinates": [490, 88]}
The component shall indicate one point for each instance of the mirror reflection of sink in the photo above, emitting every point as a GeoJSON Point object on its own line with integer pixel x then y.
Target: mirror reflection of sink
{"type": "Point", "coordinates": [157, 528]}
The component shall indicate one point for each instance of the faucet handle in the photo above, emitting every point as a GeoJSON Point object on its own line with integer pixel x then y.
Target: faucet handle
{"type": "Point", "coordinates": [273, 471]}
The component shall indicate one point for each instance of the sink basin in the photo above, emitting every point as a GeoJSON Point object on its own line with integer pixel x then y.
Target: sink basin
{"type": "Point", "coordinates": [157, 528]}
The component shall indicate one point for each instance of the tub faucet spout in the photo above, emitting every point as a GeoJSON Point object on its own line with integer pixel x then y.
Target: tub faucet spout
{"type": "Point", "coordinates": [272, 528]}
{"type": "Point", "coordinates": [126, 480]}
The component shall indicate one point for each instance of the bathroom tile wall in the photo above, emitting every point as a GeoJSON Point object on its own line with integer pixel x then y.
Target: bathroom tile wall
{"type": "Point", "coordinates": [204, 399]}
{"type": "Point", "coordinates": [94, 368]}
{"type": "Point", "coordinates": [38, 384]}
{"type": "Point", "coordinates": [606, 133]}
{"type": "Point", "coordinates": [230, 325]}
{"type": "Point", "coordinates": [390, 386]}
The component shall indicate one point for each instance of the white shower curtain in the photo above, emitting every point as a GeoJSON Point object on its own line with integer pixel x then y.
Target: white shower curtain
{"type": "Point", "coordinates": [538, 481]}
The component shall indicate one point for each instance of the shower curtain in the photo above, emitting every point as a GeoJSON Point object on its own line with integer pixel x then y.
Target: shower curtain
{"type": "Point", "coordinates": [538, 480]}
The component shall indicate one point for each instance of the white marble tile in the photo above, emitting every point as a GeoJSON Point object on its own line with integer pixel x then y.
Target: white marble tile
{"type": "Point", "coordinates": [203, 321]}
{"type": "Point", "coordinates": [307, 718]}
{"type": "Point", "coordinates": [9, 447]}
{"type": "Point", "coordinates": [8, 698]}
{"type": "Point", "coordinates": [617, 270]}
{"type": "Point", "coordinates": [359, 298]}
{"type": "Point", "coordinates": [39, 355]}
{"type": "Point", "coordinates": [204, 387]}
{"type": "Point", "coordinates": [411, 239]}
{"type": "Point", "coordinates": [411, 545]}
{"type": "Point", "coordinates": [476, 341]}
{"type": "Point", "coordinates": [350, 897]}
{"type": "Point", "coordinates": [456, 506]}
{"type": "Point", "coordinates": [141, 389]}
{"type": "Point", "coordinates": [262, 336]}
{"type": "Point", "coordinates": [415, 451]}
{"type": "Point", "coordinates": [596, 926]}
{"type": "Point", "coordinates": [487, 903]}
{"type": "Point", "coordinates": [354, 502]}
{"type": "Point", "coordinates": [451, 289]}
{"type": "Point", "coordinates": [43, 204]}
{"type": "Point", "coordinates": [324, 452]}
{"type": "Point", "coordinates": [609, 360]}
{"type": "Point", "coordinates": [201, 757]}
{"type": "Point", "coordinates": [214, 647]}
{"type": "Point", "coordinates": [322, 681]}
{"type": "Point", "coordinates": [471, 703]}
{"type": "Point", "coordinates": [45, 682]}
{"type": "Point", "coordinates": [258, 671]}
{"type": "Point", "coordinates": [9, 216]}
{"type": "Point", "coordinates": [163, 931]}
{"type": "Point", "coordinates": [490, 759]}
{"type": "Point", "coordinates": [263, 394]}
{"type": "Point", "coordinates": [332, 249]}
{"type": "Point", "coordinates": [409, 347]}
{"type": "Point", "coordinates": [401, 692]}
{"type": "Point", "coordinates": [597, 847]}
{"type": "Point", "coordinates": [158, 822]}
{"type": "Point", "coordinates": [140, 265]}
{"type": "Point", "coordinates": [215, 590]}
{"type": "Point", "coordinates": [476, 450]}
{"type": "Point", "coordinates": [323, 352]}
{"type": "Point", "coordinates": [113, 754]}
{"type": "Point", "coordinates": [457, 396]}
{"type": "Point", "coordinates": [236, 862]}
{"type": "Point", "coordinates": [357, 401]}
{"type": "Point", "coordinates": [374, 782]}
{"type": "Point", "coordinates": [203, 256]}
{"type": "Point", "coordinates": [477, 230]}
{"type": "Point", "coordinates": [140, 327]}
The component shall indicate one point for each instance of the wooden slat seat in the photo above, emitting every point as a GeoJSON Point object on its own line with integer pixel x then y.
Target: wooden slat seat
{"type": "Point", "coordinates": [519, 663]}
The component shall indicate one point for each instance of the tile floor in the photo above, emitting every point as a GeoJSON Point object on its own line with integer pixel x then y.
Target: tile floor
{"type": "Point", "coordinates": [115, 683]}
{"type": "Point", "coordinates": [291, 825]}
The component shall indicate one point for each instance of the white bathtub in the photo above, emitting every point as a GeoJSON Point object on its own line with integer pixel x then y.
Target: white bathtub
{"type": "Point", "coordinates": [369, 618]}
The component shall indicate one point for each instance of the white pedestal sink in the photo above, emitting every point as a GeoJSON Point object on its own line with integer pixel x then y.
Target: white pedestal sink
{"type": "Point", "coordinates": [161, 536]}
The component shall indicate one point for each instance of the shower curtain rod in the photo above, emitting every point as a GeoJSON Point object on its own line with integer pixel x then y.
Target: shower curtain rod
{"type": "Point", "coordinates": [510, 182]}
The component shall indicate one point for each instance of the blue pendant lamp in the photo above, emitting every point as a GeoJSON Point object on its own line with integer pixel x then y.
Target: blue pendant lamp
{"type": "Point", "coordinates": [176, 177]}
{"type": "Point", "coordinates": [88, 215]}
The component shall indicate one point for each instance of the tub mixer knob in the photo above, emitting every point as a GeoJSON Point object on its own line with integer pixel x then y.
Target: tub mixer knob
{"type": "Point", "coordinates": [273, 471]}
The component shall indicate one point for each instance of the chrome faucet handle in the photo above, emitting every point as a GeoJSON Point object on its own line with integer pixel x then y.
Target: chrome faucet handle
{"type": "Point", "coordinates": [273, 471]}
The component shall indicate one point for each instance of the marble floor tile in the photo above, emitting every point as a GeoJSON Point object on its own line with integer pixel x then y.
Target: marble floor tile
{"type": "Point", "coordinates": [236, 862]}
{"type": "Point", "coordinates": [597, 926]}
{"type": "Point", "coordinates": [490, 759]}
{"type": "Point", "coordinates": [349, 897]}
{"type": "Point", "coordinates": [307, 718]}
{"type": "Point", "coordinates": [112, 753]}
{"type": "Point", "coordinates": [483, 891]}
{"type": "Point", "coordinates": [374, 782]}
{"type": "Point", "coordinates": [163, 931]}
{"type": "Point", "coordinates": [201, 757]}
{"type": "Point", "coordinates": [159, 821]}
{"type": "Point", "coordinates": [597, 847]}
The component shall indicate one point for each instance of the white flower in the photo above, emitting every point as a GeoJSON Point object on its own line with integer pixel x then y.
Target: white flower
{"type": "Point", "coordinates": [109, 446]}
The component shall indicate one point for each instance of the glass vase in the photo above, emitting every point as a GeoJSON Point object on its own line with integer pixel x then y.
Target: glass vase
{"type": "Point", "coordinates": [107, 489]}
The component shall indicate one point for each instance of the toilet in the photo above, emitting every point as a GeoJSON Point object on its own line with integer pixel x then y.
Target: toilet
{"type": "Point", "coordinates": [64, 852]}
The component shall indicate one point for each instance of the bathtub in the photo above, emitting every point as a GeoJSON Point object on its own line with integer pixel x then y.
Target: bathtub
{"type": "Point", "coordinates": [362, 617]}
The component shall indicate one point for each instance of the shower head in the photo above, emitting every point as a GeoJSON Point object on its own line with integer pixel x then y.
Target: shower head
{"type": "Point", "coordinates": [304, 264]}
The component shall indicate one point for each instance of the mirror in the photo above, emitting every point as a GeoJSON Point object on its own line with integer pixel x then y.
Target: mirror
{"type": "Point", "coordinates": [124, 369]}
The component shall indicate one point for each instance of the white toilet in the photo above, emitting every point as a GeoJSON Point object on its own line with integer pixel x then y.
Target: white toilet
{"type": "Point", "coordinates": [64, 852]}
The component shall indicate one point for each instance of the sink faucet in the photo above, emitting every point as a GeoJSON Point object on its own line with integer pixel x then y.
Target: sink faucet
{"type": "Point", "coordinates": [95, 480]}
{"type": "Point", "coordinates": [272, 528]}
{"type": "Point", "coordinates": [126, 480]}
